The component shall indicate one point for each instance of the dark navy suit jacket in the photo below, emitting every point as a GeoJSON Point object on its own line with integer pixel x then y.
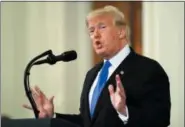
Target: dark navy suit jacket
{"type": "Point", "coordinates": [147, 90]}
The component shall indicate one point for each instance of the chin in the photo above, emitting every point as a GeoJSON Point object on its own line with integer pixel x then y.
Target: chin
{"type": "Point", "coordinates": [101, 53]}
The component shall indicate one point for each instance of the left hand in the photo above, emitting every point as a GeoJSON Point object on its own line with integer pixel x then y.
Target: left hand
{"type": "Point", "coordinates": [118, 97]}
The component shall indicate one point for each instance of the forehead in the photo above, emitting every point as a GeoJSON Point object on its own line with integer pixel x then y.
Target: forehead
{"type": "Point", "coordinates": [100, 19]}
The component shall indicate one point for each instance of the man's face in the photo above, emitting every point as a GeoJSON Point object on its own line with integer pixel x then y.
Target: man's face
{"type": "Point", "coordinates": [105, 36]}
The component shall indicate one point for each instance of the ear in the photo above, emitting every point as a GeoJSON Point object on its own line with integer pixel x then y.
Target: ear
{"type": "Point", "coordinates": [121, 33]}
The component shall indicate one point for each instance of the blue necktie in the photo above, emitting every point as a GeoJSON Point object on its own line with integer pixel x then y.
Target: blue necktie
{"type": "Point", "coordinates": [100, 84]}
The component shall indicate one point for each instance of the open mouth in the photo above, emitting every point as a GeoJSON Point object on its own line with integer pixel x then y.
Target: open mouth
{"type": "Point", "coordinates": [98, 44]}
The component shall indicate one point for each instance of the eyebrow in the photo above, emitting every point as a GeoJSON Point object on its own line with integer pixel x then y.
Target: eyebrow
{"type": "Point", "coordinates": [99, 24]}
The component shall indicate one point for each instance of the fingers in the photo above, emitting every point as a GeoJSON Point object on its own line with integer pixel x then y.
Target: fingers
{"type": "Point", "coordinates": [35, 96]}
{"type": "Point", "coordinates": [39, 92]}
{"type": "Point", "coordinates": [39, 103]}
{"type": "Point", "coordinates": [111, 89]}
{"type": "Point", "coordinates": [51, 99]}
{"type": "Point", "coordinates": [119, 86]}
{"type": "Point", "coordinates": [39, 97]}
{"type": "Point", "coordinates": [27, 106]}
{"type": "Point", "coordinates": [112, 94]}
{"type": "Point", "coordinates": [34, 93]}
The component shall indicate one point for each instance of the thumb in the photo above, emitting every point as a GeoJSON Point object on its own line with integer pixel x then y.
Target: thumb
{"type": "Point", "coordinates": [111, 89]}
{"type": "Point", "coordinates": [27, 106]}
{"type": "Point", "coordinates": [51, 99]}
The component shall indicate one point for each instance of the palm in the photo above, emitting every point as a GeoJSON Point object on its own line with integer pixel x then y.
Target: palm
{"type": "Point", "coordinates": [45, 106]}
{"type": "Point", "coordinates": [116, 100]}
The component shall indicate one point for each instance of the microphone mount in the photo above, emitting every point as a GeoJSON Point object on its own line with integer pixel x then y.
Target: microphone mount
{"type": "Point", "coordinates": [26, 80]}
{"type": "Point", "coordinates": [50, 59]}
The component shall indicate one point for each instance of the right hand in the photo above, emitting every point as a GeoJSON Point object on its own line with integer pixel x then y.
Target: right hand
{"type": "Point", "coordinates": [44, 105]}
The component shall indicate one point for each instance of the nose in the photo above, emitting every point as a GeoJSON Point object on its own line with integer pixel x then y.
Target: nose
{"type": "Point", "coordinates": [97, 33]}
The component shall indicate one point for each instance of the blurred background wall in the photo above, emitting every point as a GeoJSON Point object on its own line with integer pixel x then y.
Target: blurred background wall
{"type": "Point", "coordinates": [163, 40]}
{"type": "Point", "coordinates": [30, 28]}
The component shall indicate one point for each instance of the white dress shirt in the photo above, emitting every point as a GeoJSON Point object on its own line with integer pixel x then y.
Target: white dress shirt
{"type": "Point", "coordinates": [115, 62]}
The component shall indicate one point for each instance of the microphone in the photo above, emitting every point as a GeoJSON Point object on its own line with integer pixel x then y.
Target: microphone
{"type": "Point", "coordinates": [52, 59]}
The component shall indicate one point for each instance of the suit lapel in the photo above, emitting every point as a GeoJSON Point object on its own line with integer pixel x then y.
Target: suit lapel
{"type": "Point", "coordinates": [91, 77]}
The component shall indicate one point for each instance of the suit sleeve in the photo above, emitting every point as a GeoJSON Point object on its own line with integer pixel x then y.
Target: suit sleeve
{"type": "Point", "coordinates": [154, 108]}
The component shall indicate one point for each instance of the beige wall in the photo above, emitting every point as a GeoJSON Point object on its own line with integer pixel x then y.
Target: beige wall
{"type": "Point", "coordinates": [30, 28]}
{"type": "Point", "coordinates": [163, 40]}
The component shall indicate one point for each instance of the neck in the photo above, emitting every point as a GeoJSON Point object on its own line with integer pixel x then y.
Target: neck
{"type": "Point", "coordinates": [116, 51]}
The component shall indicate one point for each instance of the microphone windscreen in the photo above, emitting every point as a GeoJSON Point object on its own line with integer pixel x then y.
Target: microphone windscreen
{"type": "Point", "coordinates": [67, 56]}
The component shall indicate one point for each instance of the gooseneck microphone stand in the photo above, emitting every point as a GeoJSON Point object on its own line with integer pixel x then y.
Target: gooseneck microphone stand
{"type": "Point", "coordinates": [26, 80]}
{"type": "Point", "coordinates": [51, 59]}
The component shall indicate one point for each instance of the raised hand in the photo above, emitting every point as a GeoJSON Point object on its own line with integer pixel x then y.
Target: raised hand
{"type": "Point", "coordinates": [44, 105]}
{"type": "Point", "coordinates": [118, 97]}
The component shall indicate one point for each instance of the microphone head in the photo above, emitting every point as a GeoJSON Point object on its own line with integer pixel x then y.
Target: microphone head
{"type": "Point", "coordinates": [68, 56]}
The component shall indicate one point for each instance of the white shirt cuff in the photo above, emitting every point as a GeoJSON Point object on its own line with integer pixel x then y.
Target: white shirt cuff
{"type": "Point", "coordinates": [54, 115]}
{"type": "Point", "coordinates": [123, 117]}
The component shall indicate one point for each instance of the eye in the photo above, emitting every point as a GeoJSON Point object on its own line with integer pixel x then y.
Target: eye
{"type": "Point", "coordinates": [102, 26]}
{"type": "Point", "coordinates": [91, 30]}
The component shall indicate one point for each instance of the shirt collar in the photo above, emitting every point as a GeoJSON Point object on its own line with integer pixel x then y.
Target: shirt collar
{"type": "Point", "coordinates": [120, 56]}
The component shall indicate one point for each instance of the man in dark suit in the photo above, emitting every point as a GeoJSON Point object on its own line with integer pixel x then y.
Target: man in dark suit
{"type": "Point", "coordinates": [125, 90]}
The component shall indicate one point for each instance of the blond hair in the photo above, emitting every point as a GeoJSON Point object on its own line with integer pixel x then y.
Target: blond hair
{"type": "Point", "coordinates": [119, 19]}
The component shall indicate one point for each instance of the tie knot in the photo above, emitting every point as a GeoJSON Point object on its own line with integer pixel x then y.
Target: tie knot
{"type": "Point", "coordinates": [107, 64]}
